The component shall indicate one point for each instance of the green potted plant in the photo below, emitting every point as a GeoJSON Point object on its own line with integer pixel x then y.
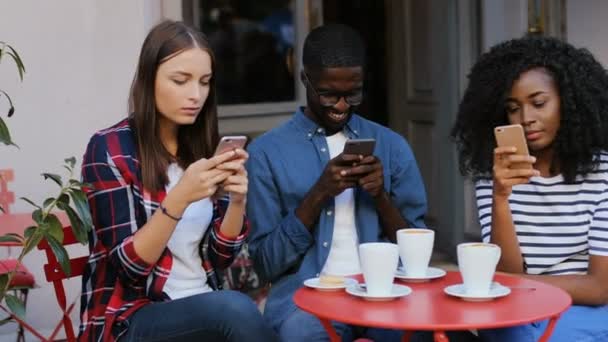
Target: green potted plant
{"type": "Point", "coordinates": [47, 226]}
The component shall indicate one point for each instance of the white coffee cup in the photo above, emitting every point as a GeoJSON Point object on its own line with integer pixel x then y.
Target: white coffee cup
{"type": "Point", "coordinates": [379, 262]}
{"type": "Point", "coordinates": [477, 263]}
{"type": "Point", "coordinates": [415, 249]}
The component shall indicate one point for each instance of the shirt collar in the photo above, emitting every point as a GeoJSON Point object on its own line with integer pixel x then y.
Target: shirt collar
{"type": "Point", "coordinates": [311, 128]}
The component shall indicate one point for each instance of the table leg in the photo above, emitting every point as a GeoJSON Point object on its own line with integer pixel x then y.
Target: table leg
{"type": "Point", "coordinates": [407, 335]}
{"type": "Point", "coordinates": [440, 336]}
{"type": "Point", "coordinates": [333, 335]}
{"type": "Point", "coordinates": [549, 329]}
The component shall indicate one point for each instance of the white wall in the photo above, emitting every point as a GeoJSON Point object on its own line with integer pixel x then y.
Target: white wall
{"type": "Point", "coordinates": [80, 57]}
{"type": "Point", "coordinates": [587, 27]}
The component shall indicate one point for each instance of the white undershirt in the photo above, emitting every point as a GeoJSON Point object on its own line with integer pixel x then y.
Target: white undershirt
{"type": "Point", "coordinates": [187, 276]}
{"type": "Point", "coordinates": [343, 256]}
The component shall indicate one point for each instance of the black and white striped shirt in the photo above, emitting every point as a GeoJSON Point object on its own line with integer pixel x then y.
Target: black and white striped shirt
{"type": "Point", "coordinates": [558, 225]}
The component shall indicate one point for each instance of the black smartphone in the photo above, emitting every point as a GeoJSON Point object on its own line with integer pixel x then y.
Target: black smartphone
{"type": "Point", "coordinates": [364, 147]}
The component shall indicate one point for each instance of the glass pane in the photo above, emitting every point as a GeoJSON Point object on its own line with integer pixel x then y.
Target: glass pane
{"type": "Point", "coordinates": [253, 43]}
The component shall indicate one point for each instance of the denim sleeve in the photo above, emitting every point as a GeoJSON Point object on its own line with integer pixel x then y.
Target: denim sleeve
{"type": "Point", "coordinates": [407, 189]}
{"type": "Point", "coordinates": [278, 239]}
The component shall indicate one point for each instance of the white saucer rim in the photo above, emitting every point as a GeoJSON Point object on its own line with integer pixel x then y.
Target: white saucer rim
{"type": "Point", "coordinates": [347, 282]}
{"type": "Point", "coordinates": [407, 291]}
{"type": "Point", "coordinates": [441, 273]}
{"type": "Point", "coordinates": [505, 291]}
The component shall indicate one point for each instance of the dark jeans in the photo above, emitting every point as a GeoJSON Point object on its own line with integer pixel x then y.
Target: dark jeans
{"type": "Point", "coordinates": [210, 317]}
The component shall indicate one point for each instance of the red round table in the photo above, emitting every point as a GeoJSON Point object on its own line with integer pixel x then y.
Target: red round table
{"type": "Point", "coordinates": [429, 308]}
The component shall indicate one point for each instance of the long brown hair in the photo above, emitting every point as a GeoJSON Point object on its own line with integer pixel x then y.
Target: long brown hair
{"type": "Point", "coordinates": [194, 141]}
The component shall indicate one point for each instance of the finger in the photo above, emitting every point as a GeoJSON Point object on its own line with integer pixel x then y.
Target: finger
{"type": "Point", "coordinates": [236, 179]}
{"type": "Point", "coordinates": [500, 153]}
{"type": "Point", "coordinates": [221, 158]}
{"type": "Point", "coordinates": [358, 170]}
{"type": "Point", "coordinates": [347, 184]}
{"type": "Point", "coordinates": [232, 165]}
{"type": "Point", "coordinates": [241, 154]}
{"type": "Point", "coordinates": [234, 188]}
{"type": "Point", "coordinates": [515, 173]}
{"type": "Point", "coordinates": [369, 160]}
{"type": "Point", "coordinates": [371, 186]}
{"type": "Point", "coordinates": [518, 158]}
{"type": "Point", "coordinates": [347, 158]}
{"type": "Point", "coordinates": [371, 178]}
{"type": "Point", "coordinates": [218, 178]}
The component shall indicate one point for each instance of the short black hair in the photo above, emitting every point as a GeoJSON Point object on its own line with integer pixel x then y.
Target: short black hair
{"type": "Point", "coordinates": [582, 83]}
{"type": "Point", "coordinates": [333, 46]}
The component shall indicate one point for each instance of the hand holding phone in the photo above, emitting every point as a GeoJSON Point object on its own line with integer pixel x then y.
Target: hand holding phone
{"type": "Point", "coordinates": [513, 136]}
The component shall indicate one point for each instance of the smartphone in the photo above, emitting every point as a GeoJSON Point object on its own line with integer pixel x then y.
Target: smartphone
{"type": "Point", "coordinates": [364, 147]}
{"type": "Point", "coordinates": [229, 143]}
{"type": "Point", "coordinates": [513, 135]}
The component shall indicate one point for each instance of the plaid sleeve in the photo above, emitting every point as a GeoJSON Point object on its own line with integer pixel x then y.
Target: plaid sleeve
{"type": "Point", "coordinates": [222, 250]}
{"type": "Point", "coordinates": [112, 208]}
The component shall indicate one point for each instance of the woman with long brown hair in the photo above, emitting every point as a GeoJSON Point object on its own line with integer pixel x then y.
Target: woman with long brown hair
{"type": "Point", "coordinates": [162, 228]}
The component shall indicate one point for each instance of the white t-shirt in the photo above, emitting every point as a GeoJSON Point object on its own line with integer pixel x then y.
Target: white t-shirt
{"type": "Point", "coordinates": [558, 225]}
{"type": "Point", "coordinates": [343, 256]}
{"type": "Point", "coordinates": [187, 276]}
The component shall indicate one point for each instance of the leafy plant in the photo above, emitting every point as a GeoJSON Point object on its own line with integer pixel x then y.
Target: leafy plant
{"type": "Point", "coordinates": [5, 49]}
{"type": "Point", "coordinates": [47, 226]}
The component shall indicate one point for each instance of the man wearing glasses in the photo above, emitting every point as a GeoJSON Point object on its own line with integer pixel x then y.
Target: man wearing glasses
{"type": "Point", "coordinates": [309, 204]}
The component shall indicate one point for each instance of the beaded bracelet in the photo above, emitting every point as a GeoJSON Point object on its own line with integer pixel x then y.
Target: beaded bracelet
{"type": "Point", "coordinates": [164, 210]}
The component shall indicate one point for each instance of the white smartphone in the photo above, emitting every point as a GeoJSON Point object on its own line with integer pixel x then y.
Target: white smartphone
{"type": "Point", "coordinates": [513, 135]}
{"type": "Point", "coordinates": [229, 143]}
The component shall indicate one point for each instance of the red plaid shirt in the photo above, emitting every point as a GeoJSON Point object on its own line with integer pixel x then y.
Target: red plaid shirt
{"type": "Point", "coordinates": [116, 281]}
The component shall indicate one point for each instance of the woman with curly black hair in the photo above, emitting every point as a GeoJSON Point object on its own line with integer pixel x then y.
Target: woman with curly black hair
{"type": "Point", "coordinates": [550, 220]}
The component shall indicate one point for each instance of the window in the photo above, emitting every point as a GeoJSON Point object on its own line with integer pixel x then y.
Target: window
{"type": "Point", "coordinates": [254, 43]}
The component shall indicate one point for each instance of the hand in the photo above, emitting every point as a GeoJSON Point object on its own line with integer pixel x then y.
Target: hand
{"type": "Point", "coordinates": [505, 177]}
{"type": "Point", "coordinates": [202, 178]}
{"type": "Point", "coordinates": [371, 175]}
{"type": "Point", "coordinates": [236, 184]}
{"type": "Point", "coordinates": [335, 177]}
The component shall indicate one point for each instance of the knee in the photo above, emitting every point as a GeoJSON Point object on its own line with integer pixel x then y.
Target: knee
{"type": "Point", "coordinates": [240, 305]}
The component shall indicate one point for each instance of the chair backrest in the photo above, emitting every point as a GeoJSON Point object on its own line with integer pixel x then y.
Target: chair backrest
{"type": "Point", "coordinates": [54, 274]}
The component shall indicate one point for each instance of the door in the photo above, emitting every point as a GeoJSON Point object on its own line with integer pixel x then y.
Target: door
{"type": "Point", "coordinates": [432, 44]}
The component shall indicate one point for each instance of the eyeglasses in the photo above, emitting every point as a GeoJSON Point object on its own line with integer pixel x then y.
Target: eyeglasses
{"type": "Point", "coordinates": [330, 99]}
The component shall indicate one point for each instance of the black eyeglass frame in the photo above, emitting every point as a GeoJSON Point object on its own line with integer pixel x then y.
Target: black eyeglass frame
{"type": "Point", "coordinates": [331, 99]}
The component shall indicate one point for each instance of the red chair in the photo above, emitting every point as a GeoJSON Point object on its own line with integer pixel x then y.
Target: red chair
{"type": "Point", "coordinates": [21, 283]}
{"type": "Point", "coordinates": [54, 274]}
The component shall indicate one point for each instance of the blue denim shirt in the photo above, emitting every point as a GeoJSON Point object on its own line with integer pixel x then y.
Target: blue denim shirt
{"type": "Point", "coordinates": [283, 165]}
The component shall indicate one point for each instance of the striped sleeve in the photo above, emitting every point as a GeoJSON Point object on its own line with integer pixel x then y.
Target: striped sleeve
{"type": "Point", "coordinates": [483, 196]}
{"type": "Point", "coordinates": [598, 231]}
{"type": "Point", "coordinates": [112, 208]}
{"type": "Point", "coordinates": [222, 249]}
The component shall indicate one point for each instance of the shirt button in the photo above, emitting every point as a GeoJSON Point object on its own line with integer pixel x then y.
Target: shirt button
{"type": "Point", "coordinates": [325, 244]}
{"type": "Point", "coordinates": [318, 275]}
{"type": "Point", "coordinates": [319, 130]}
{"type": "Point", "coordinates": [355, 131]}
{"type": "Point", "coordinates": [310, 135]}
{"type": "Point", "coordinates": [323, 149]}
{"type": "Point", "coordinates": [329, 212]}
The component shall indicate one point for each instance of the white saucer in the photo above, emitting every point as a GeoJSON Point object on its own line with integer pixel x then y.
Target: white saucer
{"type": "Point", "coordinates": [315, 284]}
{"type": "Point", "coordinates": [496, 291]}
{"type": "Point", "coordinates": [431, 273]}
{"type": "Point", "coordinates": [358, 290]}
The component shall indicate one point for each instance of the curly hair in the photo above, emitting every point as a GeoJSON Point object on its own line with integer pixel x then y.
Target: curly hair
{"type": "Point", "coordinates": [582, 83]}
